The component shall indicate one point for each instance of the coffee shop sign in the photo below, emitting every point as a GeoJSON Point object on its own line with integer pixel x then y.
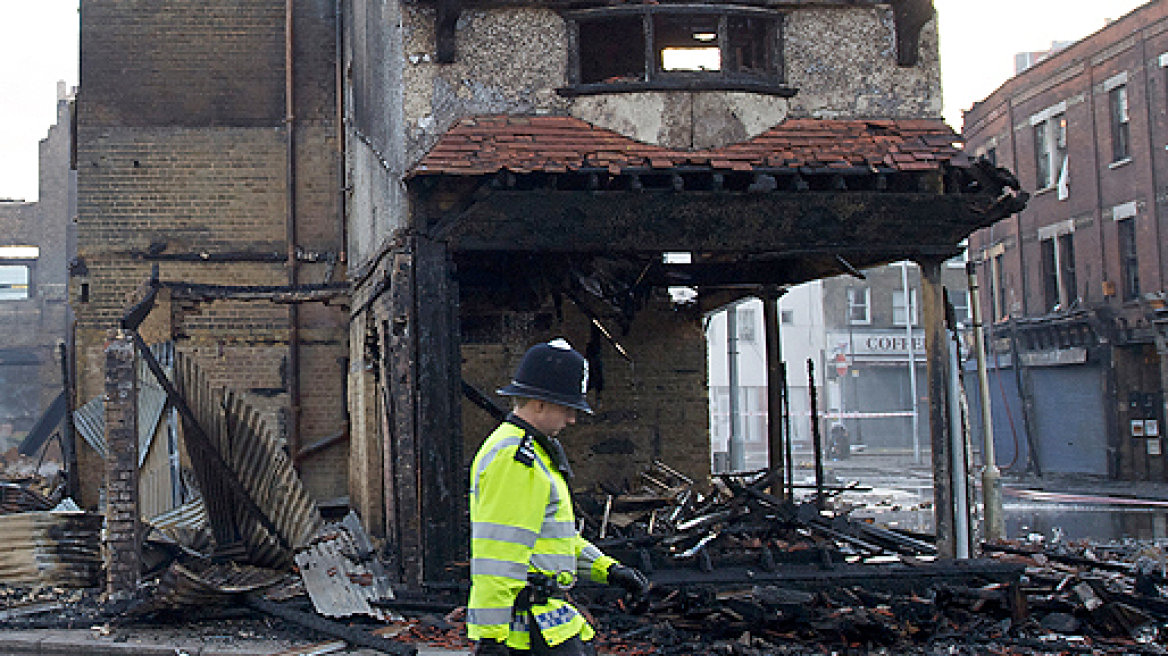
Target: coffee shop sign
{"type": "Point", "coordinates": [885, 344]}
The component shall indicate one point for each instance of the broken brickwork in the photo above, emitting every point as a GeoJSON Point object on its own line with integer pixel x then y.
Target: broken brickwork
{"type": "Point", "coordinates": [123, 528]}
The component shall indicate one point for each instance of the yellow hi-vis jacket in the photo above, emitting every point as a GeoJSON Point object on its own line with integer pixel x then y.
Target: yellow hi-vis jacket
{"type": "Point", "coordinates": [522, 521]}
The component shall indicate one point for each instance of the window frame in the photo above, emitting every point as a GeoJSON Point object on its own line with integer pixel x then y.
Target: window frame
{"type": "Point", "coordinates": [966, 315]}
{"type": "Point", "coordinates": [1049, 132]}
{"type": "Point", "coordinates": [864, 303]}
{"type": "Point", "coordinates": [29, 267]}
{"type": "Point", "coordinates": [1129, 258]}
{"type": "Point", "coordinates": [912, 312]}
{"type": "Point", "coordinates": [771, 81]}
{"type": "Point", "coordinates": [1119, 113]}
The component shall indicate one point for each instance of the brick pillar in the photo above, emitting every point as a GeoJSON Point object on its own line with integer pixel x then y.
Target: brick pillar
{"type": "Point", "coordinates": [124, 568]}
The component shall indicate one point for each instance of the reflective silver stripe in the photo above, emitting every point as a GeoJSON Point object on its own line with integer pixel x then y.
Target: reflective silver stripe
{"type": "Point", "coordinates": [488, 458]}
{"type": "Point", "coordinates": [502, 533]}
{"type": "Point", "coordinates": [482, 616]}
{"type": "Point", "coordinates": [555, 500]}
{"type": "Point", "coordinates": [554, 562]}
{"type": "Point", "coordinates": [494, 567]}
{"type": "Point", "coordinates": [590, 553]}
{"type": "Point", "coordinates": [555, 529]}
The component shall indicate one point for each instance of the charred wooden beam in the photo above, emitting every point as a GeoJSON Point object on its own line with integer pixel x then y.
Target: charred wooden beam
{"type": "Point", "coordinates": [187, 291]}
{"type": "Point", "coordinates": [336, 629]}
{"type": "Point", "coordinates": [718, 222]}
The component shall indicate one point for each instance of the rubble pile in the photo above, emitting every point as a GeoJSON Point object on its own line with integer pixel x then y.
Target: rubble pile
{"type": "Point", "coordinates": [741, 571]}
{"type": "Point", "coordinates": [740, 566]}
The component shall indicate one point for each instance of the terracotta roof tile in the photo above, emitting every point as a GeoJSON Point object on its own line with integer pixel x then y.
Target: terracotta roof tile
{"type": "Point", "coordinates": [487, 144]}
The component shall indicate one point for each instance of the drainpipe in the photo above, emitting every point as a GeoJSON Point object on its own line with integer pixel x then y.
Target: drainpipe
{"type": "Point", "coordinates": [958, 468]}
{"type": "Point", "coordinates": [342, 187]}
{"type": "Point", "coordinates": [736, 444]}
{"type": "Point", "coordinates": [290, 229]}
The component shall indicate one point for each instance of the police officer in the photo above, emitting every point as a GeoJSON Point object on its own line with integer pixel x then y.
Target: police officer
{"type": "Point", "coordinates": [525, 549]}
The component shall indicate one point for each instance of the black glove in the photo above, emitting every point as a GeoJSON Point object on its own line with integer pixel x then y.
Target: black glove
{"type": "Point", "coordinates": [634, 582]}
{"type": "Point", "coordinates": [489, 647]}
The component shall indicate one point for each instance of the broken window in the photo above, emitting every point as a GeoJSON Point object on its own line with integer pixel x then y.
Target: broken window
{"type": "Point", "coordinates": [671, 46]}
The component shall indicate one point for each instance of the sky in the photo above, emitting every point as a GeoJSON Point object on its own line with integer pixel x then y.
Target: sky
{"type": "Point", "coordinates": [978, 39]}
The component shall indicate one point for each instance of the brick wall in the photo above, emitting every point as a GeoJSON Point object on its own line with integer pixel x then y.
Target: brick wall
{"type": "Point", "coordinates": [653, 408]}
{"type": "Point", "coordinates": [182, 164]}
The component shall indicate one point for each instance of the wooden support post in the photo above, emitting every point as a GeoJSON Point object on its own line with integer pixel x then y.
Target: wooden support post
{"type": "Point", "coordinates": [124, 565]}
{"type": "Point", "coordinates": [439, 393]}
{"type": "Point", "coordinates": [422, 378]}
{"type": "Point", "coordinates": [937, 357]}
{"type": "Point", "coordinates": [774, 357]}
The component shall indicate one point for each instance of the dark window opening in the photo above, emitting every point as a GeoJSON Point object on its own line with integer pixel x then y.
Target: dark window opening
{"type": "Point", "coordinates": [1066, 257]}
{"type": "Point", "coordinates": [1128, 259]}
{"type": "Point", "coordinates": [612, 50]}
{"type": "Point", "coordinates": [676, 47]}
{"type": "Point", "coordinates": [1050, 287]}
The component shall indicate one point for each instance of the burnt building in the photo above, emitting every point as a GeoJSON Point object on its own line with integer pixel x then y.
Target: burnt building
{"type": "Point", "coordinates": [1073, 287]}
{"type": "Point", "coordinates": [358, 215]}
{"type": "Point", "coordinates": [36, 243]}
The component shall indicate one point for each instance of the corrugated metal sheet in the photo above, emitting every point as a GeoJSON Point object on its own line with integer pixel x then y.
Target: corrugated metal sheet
{"type": "Point", "coordinates": [190, 516]}
{"type": "Point", "coordinates": [89, 419]}
{"type": "Point", "coordinates": [51, 548]}
{"type": "Point", "coordinates": [253, 452]}
{"type": "Point", "coordinates": [17, 498]}
{"type": "Point", "coordinates": [206, 584]}
{"type": "Point", "coordinates": [341, 572]}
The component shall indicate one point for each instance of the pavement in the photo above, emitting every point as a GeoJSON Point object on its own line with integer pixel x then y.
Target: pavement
{"type": "Point", "coordinates": [160, 642]}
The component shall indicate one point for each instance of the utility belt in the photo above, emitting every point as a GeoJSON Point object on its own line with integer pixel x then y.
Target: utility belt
{"type": "Point", "coordinates": [543, 587]}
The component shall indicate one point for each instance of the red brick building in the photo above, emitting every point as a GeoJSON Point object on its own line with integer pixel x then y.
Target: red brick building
{"type": "Point", "coordinates": [1074, 285]}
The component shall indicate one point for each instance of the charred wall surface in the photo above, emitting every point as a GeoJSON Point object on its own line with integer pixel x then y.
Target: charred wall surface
{"type": "Point", "coordinates": [191, 160]}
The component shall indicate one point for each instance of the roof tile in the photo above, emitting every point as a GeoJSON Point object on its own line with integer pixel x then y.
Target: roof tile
{"type": "Point", "coordinates": [486, 144]}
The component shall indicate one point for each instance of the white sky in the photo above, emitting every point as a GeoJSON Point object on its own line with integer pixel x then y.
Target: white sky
{"type": "Point", "coordinates": [38, 47]}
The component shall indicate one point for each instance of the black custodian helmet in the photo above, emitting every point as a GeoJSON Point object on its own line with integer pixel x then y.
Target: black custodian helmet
{"type": "Point", "coordinates": [553, 372]}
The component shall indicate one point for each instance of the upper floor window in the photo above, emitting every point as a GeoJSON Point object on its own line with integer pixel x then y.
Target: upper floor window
{"type": "Point", "coordinates": [859, 308]}
{"type": "Point", "coordinates": [16, 271]}
{"type": "Point", "coordinates": [1060, 287]}
{"type": "Point", "coordinates": [959, 299]}
{"type": "Point", "coordinates": [901, 314]}
{"type": "Point", "coordinates": [747, 325]}
{"type": "Point", "coordinates": [14, 282]}
{"type": "Point", "coordinates": [1120, 123]}
{"type": "Point", "coordinates": [1129, 261]}
{"type": "Point", "coordinates": [1050, 147]}
{"type": "Point", "coordinates": [633, 48]}
{"type": "Point", "coordinates": [997, 279]}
